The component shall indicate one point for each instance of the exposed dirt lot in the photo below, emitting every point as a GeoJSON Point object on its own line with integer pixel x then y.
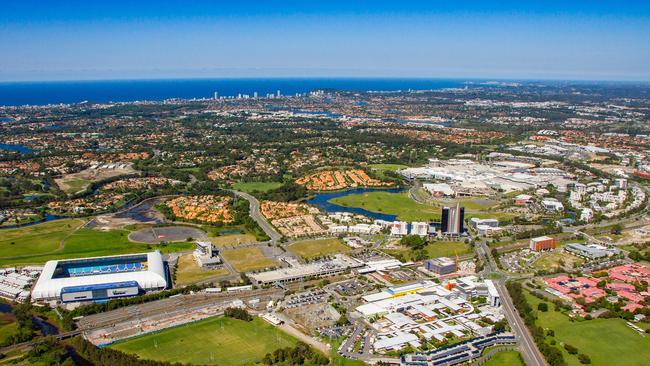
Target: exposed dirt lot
{"type": "Point", "coordinates": [156, 235]}
{"type": "Point", "coordinates": [75, 182]}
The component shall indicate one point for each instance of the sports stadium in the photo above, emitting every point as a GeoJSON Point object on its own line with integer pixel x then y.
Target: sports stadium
{"type": "Point", "coordinates": [100, 278]}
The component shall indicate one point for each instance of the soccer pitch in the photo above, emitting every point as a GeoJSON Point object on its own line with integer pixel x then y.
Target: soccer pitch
{"type": "Point", "coordinates": [219, 340]}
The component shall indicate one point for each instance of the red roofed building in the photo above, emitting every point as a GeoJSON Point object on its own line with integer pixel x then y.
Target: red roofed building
{"type": "Point", "coordinates": [620, 286]}
{"type": "Point", "coordinates": [632, 307]}
{"type": "Point", "coordinates": [542, 243]}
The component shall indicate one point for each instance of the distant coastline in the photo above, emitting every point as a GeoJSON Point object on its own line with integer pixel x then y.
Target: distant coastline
{"type": "Point", "coordinates": [71, 92]}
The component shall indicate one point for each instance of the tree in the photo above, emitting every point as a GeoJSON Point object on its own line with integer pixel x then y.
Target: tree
{"type": "Point", "coordinates": [550, 333]}
{"type": "Point", "coordinates": [584, 359]}
{"type": "Point", "coordinates": [617, 229]}
{"type": "Point", "coordinates": [413, 242]}
{"type": "Point", "coordinates": [542, 306]}
{"type": "Point", "coordinates": [238, 313]}
{"type": "Point", "coordinates": [499, 326]}
{"type": "Point", "coordinates": [571, 349]}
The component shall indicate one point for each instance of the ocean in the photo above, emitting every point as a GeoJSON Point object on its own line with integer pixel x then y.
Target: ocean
{"type": "Point", "coordinates": [55, 92]}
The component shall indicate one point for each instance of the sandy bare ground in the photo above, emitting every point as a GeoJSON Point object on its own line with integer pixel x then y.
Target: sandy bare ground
{"type": "Point", "coordinates": [92, 175]}
{"type": "Point", "coordinates": [155, 235]}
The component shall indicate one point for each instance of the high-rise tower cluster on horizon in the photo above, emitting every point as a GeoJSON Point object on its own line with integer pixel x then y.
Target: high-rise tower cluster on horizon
{"type": "Point", "coordinates": [453, 219]}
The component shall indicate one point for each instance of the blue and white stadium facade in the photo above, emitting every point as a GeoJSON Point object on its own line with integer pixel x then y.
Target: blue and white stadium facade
{"type": "Point", "coordinates": [100, 278]}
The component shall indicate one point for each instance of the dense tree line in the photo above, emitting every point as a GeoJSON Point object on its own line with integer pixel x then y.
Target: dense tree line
{"type": "Point", "coordinates": [238, 313]}
{"type": "Point", "coordinates": [300, 354]}
{"type": "Point", "coordinates": [548, 230]}
{"type": "Point", "coordinates": [413, 242]}
{"type": "Point", "coordinates": [49, 351]}
{"type": "Point", "coordinates": [288, 192]}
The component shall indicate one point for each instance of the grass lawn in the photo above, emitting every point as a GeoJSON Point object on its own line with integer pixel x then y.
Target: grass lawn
{"type": "Point", "coordinates": [605, 341]}
{"type": "Point", "coordinates": [506, 358]}
{"type": "Point", "coordinates": [551, 260]}
{"type": "Point", "coordinates": [189, 272]}
{"type": "Point", "coordinates": [191, 170]}
{"type": "Point", "coordinates": [74, 185]}
{"type": "Point", "coordinates": [399, 204]}
{"type": "Point", "coordinates": [437, 249]}
{"type": "Point", "coordinates": [247, 259]}
{"type": "Point", "coordinates": [87, 243]}
{"type": "Point", "coordinates": [40, 238]}
{"type": "Point", "coordinates": [220, 340]}
{"type": "Point", "coordinates": [387, 167]}
{"type": "Point", "coordinates": [447, 248]}
{"type": "Point", "coordinates": [249, 187]}
{"type": "Point", "coordinates": [381, 168]}
{"type": "Point", "coordinates": [232, 240]}
{"type": "Point", "coordinates": [317, 248]}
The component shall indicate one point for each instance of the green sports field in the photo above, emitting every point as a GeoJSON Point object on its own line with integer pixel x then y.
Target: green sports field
{"type": "Point", "coordinates": [64, 239]}
{"type": "Point", "coordinates": [220, 340]}
{"type": "Point", "coordinates": [317, 248]}
{"type": "Point", "coordinates": [249, 187]}
{"type": "Point", "coordinates": [505, 358]}
{"type": "Point", "coordinates": [605, 341]}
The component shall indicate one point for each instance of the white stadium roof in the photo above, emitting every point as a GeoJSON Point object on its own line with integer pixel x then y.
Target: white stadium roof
{"type": "Point", "coordinates": [152, 278]}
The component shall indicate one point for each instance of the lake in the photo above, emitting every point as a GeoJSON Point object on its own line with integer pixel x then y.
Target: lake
{"type": "Point", "coordinates": [322, 200]}
{"type": "Point", "coordinates": [20, 148]}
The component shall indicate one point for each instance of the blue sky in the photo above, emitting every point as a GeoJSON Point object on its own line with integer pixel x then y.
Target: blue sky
{"type": "Point", "coordinates": [55, 40]}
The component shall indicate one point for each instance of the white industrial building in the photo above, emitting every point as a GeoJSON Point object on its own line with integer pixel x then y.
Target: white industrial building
{"type": "Point", "coordinates": [439, 189]}
{"type": "Point", "coordinates": [100, 278]}
{"type": "Point", "coordinates": [299, 272]}
{"type": "Point", "coordinates": [485, 227]}
{"type": "Point", "coordinates": [592, 251]}
{"type": "Point", "coordinates": [551, 204]}
{"type": "Point", "coordinates": [405, 315]}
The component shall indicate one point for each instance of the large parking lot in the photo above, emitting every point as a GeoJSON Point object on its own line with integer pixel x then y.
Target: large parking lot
{"type": "Point", "coordinates": [351, 288]}
{"type": "Point", "coordinates": [305, 298]}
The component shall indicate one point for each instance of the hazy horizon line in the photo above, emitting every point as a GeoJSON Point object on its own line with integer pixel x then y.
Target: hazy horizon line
{"type": "Point", "coordinates": [332, 77]}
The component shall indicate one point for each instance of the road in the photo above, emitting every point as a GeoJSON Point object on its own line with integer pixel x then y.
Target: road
{"type": "Point", "coordinates": [257, 216]}
{"type": "Point", "coordinates": [529, 350]}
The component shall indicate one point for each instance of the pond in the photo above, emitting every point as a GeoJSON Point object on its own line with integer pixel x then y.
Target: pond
{"type": "Point", "coordinates": [322, 200]}
{"type": "Point", "coordinates": [19, 148]}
